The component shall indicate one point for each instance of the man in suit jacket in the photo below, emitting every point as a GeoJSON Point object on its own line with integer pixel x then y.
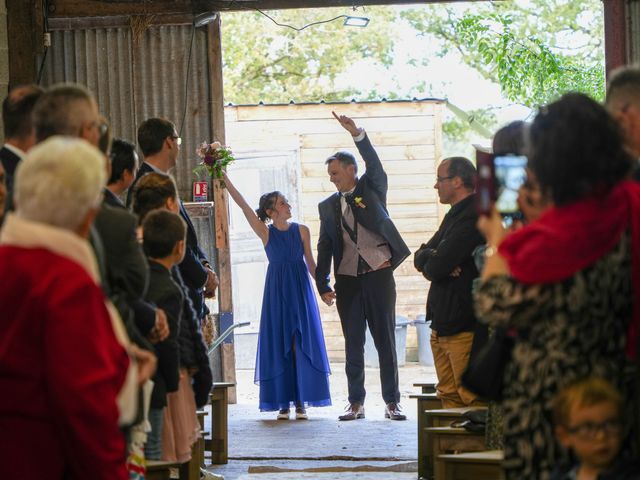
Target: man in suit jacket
{"type": "Point", "coordinates": [160, 145]}
{"type": "Point", "coordinates": [19, 134]}
{"type": "Point", "coordinates": [71, 110]}
{"type": "Point", "coordinates": [124, 165]}
{"type": "Point", "coordinates": [365, 246]}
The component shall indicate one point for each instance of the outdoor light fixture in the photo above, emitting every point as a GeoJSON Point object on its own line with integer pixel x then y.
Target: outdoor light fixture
{"type": "Point", "coordinates": [356, 21]}
{"type": "Point", "coordinates": [204, 18]}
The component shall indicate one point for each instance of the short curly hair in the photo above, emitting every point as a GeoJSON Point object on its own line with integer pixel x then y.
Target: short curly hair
{"type": "Point", "coordinates": [576, 149]}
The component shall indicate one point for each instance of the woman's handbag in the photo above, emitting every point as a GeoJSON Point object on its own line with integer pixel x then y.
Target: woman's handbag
{"type": "Point", "coordinates": [484, 375]}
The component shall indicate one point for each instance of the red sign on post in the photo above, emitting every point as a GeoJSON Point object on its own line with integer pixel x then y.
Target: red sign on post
{"type": "Point", "coordinates": [200, 191]}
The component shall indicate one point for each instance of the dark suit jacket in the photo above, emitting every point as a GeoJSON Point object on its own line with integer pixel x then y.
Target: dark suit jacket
{"type": "Point", "coordinates": [192, 269]}
{"type": "Point", "coordinates": [144, 313]}
{"type": "Point", "coordinates": [9, 162]}
{"type": "Point", "coordinates": [112, 199]}
{"type": "Point", "coordinates": [372, 187]}
{"type": "Point", "coordinates": [167, 295]}
{"type": "Point", "coordinates": [127, 272]}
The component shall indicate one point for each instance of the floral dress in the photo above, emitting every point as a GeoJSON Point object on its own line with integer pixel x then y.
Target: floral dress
{"type": "Point", "coordinates": [566, 330]}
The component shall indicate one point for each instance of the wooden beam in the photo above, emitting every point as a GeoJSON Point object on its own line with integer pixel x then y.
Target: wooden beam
{"type": "Point", "coordinates": [220, 197]}
{"type": "Point", "coordinates": [616, 28]}
{"type": "Point", "coordinates": [103, 8]}
{"type": "Point", "coordinates": [25, 35]}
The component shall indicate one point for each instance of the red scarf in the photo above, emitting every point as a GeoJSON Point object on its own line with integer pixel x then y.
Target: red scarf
{"type": "Point", "coordinates": [565, 240]}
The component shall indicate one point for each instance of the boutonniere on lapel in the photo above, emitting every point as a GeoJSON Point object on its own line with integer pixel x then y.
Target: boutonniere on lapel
{"type": "Point", "coordinates": [359, 203]}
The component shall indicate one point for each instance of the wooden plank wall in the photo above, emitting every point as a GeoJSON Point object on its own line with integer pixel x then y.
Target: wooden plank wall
{"type": "Point", "coordinates": [407, 137]}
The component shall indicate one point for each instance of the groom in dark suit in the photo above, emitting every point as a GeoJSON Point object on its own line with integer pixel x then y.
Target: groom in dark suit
{"type": "Point", "coordinates": [357, 233]}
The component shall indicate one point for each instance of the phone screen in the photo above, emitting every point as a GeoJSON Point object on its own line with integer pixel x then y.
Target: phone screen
{"type": "Point", "coordinates": [510, 173]}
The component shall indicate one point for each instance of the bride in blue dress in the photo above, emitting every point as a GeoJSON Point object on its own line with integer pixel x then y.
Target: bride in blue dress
{"type": "Point", "coordinates": [292, 367]}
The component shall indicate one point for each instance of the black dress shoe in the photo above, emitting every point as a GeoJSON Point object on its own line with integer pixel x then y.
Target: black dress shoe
{"type": "Point", "coordinates": [393, 411]}
{"type": "Point", "coordinates": [354, 411]}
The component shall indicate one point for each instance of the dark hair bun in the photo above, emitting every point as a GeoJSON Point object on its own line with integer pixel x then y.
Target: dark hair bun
{"type": "Point", "coordinates": [267, 202]}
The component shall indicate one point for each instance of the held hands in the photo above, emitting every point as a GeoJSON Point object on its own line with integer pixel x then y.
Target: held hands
{"type": "Point", "coordinates": [328, 298]}
{"type": "Point", "coordinates": [211, 285]}
{"type": "Point", "coordinates": [348, 124]}
{"type": "Point", "coordinates": [160, 330]}
{"type": "Point", "coordinates": [456, 272]}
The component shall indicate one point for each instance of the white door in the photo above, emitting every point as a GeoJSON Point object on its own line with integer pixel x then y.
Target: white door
{"type": "Point", "coordinates": [254, 174]}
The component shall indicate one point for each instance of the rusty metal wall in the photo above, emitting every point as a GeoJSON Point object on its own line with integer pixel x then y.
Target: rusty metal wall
{"type": "Point", "coordinates": [134, 79]}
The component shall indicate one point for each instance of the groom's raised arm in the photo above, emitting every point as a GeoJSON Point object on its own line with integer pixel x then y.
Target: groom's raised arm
{"type": "Point", "coordinates": [377, 177]}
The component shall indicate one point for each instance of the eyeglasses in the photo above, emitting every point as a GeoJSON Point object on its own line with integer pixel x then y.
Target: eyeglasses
{"type": "Point", "coordinates": [589, 430]}
{"type": "Point", "coordinates": [103, 128]}
{"type": "Point", "coordinates": [177, 139]}
{"type": "Point", "coordinates": [442, 179]}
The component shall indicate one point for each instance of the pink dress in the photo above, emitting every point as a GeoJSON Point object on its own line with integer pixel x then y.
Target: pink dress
{"type": "Point", "coordinates": [180, 428]}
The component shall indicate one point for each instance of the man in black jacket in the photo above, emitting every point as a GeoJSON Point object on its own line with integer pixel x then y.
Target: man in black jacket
{"type": "Point", "coordinates": [446, 262]}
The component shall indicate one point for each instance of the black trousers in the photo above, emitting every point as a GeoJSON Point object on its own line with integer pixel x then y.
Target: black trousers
{"type": "Point", "coordinates": [369, 299]}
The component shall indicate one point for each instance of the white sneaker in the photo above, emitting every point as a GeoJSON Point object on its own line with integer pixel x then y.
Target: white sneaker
{"type": "Point", "coordinates": [283, 414]}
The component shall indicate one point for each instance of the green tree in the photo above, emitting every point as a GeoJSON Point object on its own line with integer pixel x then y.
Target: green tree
{"type": "Point", "coordinates": [535, 50]}
{"type": "Point", "coordinates": [274, 64]}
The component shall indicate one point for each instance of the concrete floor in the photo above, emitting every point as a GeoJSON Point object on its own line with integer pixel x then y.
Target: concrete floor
{"type": "Point", "coordinates": [323, 448]}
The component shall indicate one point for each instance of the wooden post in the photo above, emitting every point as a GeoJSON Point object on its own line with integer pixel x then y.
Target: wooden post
{"type": "Point", "coordinates": [221, 201]}
{"type": "Point", "coordinates": [615, 34]}
{"type": "Point", "coordinates": [26, 39]}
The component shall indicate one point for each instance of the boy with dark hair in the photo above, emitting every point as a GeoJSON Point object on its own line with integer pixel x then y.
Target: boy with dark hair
{"type": "Point", "coordinates": [588, 422]}
{"type": "Point", "coordinates": [164, 244]}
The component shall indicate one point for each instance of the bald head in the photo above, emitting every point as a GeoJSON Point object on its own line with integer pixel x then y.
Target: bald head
{"type": "Point", "coordinates": [67, 109]}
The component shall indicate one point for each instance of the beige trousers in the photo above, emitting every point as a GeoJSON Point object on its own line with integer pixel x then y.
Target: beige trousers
{"type": "Point", "coordinates": [450, 356]}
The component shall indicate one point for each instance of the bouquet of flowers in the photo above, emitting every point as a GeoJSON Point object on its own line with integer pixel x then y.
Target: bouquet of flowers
{"type": "Point", "coordinates": [214, 158]}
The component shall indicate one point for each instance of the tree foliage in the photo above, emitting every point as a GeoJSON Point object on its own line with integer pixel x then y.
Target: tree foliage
{"type": "Point", "coordinates": [517, 45]}
{"type": "Point", "coordinates": [266, 62]}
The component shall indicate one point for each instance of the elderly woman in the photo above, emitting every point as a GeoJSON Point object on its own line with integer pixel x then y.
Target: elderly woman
{"type": "Point", "coordinates": [62, 363]}
{"type": "Point", "coordinates": [568, 282]}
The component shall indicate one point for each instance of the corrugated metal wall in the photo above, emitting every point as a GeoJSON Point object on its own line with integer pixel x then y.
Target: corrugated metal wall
{"type": "Point", "coordinates": [133, 81]}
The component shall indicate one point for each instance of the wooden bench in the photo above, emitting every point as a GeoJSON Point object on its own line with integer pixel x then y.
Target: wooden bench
{"type": "Point", "coordinates": [425, 401]}
{"type": "Point", "coordinates": [426, 387]}
{"type": "Point", "coordinates": [442, 440]}
{"type": "Point", "coordinates": [159, 470]}
{"type": "Point", "coordinates": [218, 444]}
{"type": "Point", "coordinates": [484, 465]}
{"type": "Point", "coordinates": [443, 417]}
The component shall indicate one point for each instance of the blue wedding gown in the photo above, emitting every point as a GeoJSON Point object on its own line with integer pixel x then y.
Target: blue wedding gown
{"type": "Point", "coordinates": [291, 364]}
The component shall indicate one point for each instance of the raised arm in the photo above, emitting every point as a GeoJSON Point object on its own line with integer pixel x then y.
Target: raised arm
{"type": "Point", "coordinates": [375, 173]}
{"type": "Point", "coordinates": [256, 224]}
{"type": "Point", "coordinates": [308, 256]}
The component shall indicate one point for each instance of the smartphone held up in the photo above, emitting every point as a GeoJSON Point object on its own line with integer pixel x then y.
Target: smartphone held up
{"type": "Point", "coordinates": [499, 179]}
